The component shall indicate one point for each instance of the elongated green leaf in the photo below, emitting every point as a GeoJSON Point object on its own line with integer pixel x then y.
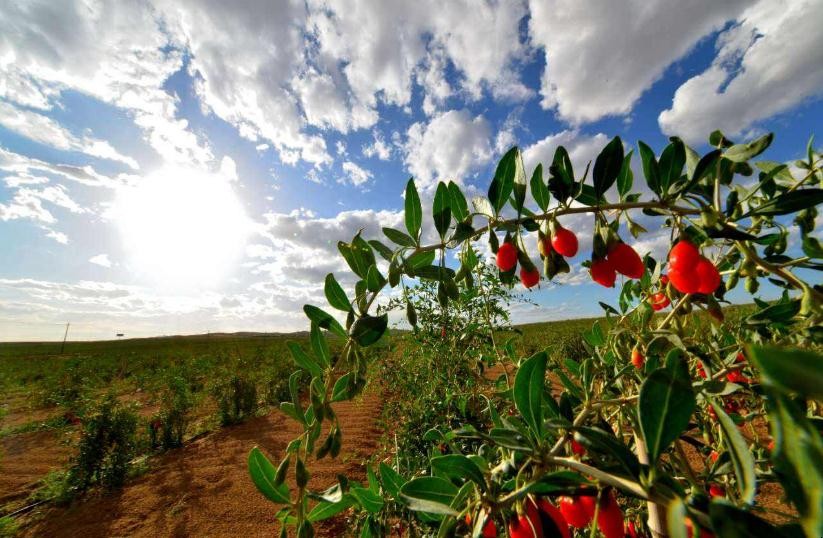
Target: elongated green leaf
{"type": "Point", "coordinates": [441, 210]}
{"type": "Point", "coordinates": [458, 466]}
{"type": "Point", "coordinates": [798, 457]}
{"type": "Point", "coordinates": [324, 320]}
{"type": "Point", "coordinates": [672, 161]}
{"type": "Point", "coordinates": [561, 174]}
{"type": "Point", "coordinates": [460, 208]}
{"type": "Point", "coordinates": [420, 259]}
{"type": "Point", "coordinates": [385, 252]}
{"type": "Point", "coordinates": [540, 191]}
{"type": "Point", "coordinates": [319, 345]}
{"type": "Point", "coordinates": [791, 370]}
{"type": "Point", "coordinates": [528, 391]}
{"type": "Point", "coordinates": [743, 152]}
{"type": "Point", "coordinates": [626, 177]}
{"type": "Point", "coordinates": [788, 202]}
{"type": "Point", "coordinates": [262, 474]}
{"type": "Point", "coordinates": [369, 500]}
{"type": "Point", "coordinates": [741, 456]}
{"type": "Point", "coordinates": [340, 391]}
{"type": "Point", "coordinates": [666, 402]}
{"type": "Point", "coordinates": [369, 329]}
{"type": "Point", "coordinates": [335, 295]}
{"type": "Point", "coordinates": [520, 185]}
{"type": "Point", "coordinates": [607, 166]}
{"type": "Point", "coordinates": [374, 280]}
{"type": "Point", "coordinates": [414, 211]}
{"type": "Point", "coordinates": [429, 494]}
{"type": "Point", "coordinates": [391, 480]}
{"type": "Point", "coordinates": [325, 510]}
{"type": "Point", "coordinates": [434, 272]}
{"type": "Point", "coordinates": [503, 182]}
{"type": "Point", "coordinates": [650, 167]}
{"type": "Point", "coordinates": [398, 237]}
{"type": "Point", "coordinates": [303, 360]}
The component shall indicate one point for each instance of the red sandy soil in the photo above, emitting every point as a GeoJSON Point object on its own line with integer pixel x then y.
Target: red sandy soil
{"type": "Point", "coordinates": [25, 458]}
{"type": "Point", "coordinates": [204, 489]}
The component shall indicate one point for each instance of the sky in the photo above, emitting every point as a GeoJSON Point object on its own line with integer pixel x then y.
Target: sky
{"type": "Point", "coordinates": [173, 167]}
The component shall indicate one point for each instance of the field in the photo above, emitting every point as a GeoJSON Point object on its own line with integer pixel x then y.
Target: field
{"type": "Point", "coordinates": [201, 487]}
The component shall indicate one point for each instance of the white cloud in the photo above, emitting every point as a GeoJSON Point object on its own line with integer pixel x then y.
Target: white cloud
{"type": "Point", "coordinates": [60, 237]}
{"type": "Point", "coordinates": [113, 51]}
{"type": "Point", "coordinates": [47, 131]}
{"type": "Point", "coordinates": [601, 56]}
{"type": "Point", "coordinates": [582, 148]}
{"type": "Point", "coordinates": [379, 148]}
{"type": "Point", "coordinates": [101, 259]}
{"type": "Point", "coordinates": [356, 175]}
{"type": "Point", "coordinates": [450, 147]}
{"type": "Point", "coordinates": [766, 64]}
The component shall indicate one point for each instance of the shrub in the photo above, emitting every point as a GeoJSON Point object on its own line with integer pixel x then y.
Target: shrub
{"type": "Point", "coordinates": [168, 428]}
{"type": "Point", "coordinates": [108, 442]}
{"type": "Point", "coordinates": [619, 432]}
{"type": "Point", "coordinates": [236, 399]}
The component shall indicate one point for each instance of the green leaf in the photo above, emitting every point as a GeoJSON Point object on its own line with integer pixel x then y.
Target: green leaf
{"type": "Point", "coordinates": [434, 272]}
{"type": "Point", "coordinates": [482, 206]}
{"type": "Point", "coordinates": [672, 161]}
{"type": "Point", "coordinates": [540, 191]}
{"type": "Point", "coordinates": [391, 479]}
{"type": "Point", "coordinates": [741, 456]}
{"type": "Point", "coordinates": [503, 183]}
{"type": "Point", "coordinates": [441, 211]}
{"type": "Point", "coordinates": [398, 237]}
{"type": "Point", "coordinates": [650, 167]}
{"type": "Point", "coordinates": [791, 370]}
{"type": "Point", "coordinates": [666, 402]}
{"type": "Point", "coordinates": [369, 329]}
{"type": "Point", "coordinates": [528, 391]}
{"type": "Point", "coordinates": [370, 501]}
{"type": "Point", "coordinates": [458, 466]}
{"type": "Point", "coordinates": [385, 252]}
{"type": "Point", "coordinates": [798, 458]}
{"type": "Point", "coordinates": [420, 259]}
{"type": "Point", "coordinates": [607, 166]}
{"type": "Point", "coordinates": [262, 474]}
{"type": "Point", "coordinates": [319, 345]}
{"type": "Point", "coordinates": [626, 176]}
{"type": "Point", "coordinates": [414, 211]}
{"type": "Point", "coordinates": [460, 209]}
{"type": "Point", "coordinates": [743, 152]}
{"type": "Point", "coordinates": [335, 295]}
{"type": "Point", "coordinates": [340, 391]}
{"type": "Point", "coordinates": [429, 494]}
{"type": "Point", "coordinates": [788, 202]}
{"type": "Point", "coordinates": [324, 320]}
{"type": "Point", "coordinates": [520, 185]}
{"type": "Point", "coordinates": [812, 247]}
{"type": "Point", "coordinates": [303, 360]}
{"type": "Point", "coordinates": [374, 280]}
{"type": "Point", "coordinates": [561, 175]}
{"type": "Point", "coordinates": [325, 510]}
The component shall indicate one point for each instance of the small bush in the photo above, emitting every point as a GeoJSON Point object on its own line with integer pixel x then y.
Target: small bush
{"type": "Point", "coordinates": [236, 399]}
{"type": "Point", "coordinates": [168, 428]}
{"type": "Point", "coordinates": [108, 442]}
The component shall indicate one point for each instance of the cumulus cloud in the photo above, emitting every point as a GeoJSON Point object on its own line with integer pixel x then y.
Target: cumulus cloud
{"type": "Point", "coordinates": [378, 148]}
{"type": "Point", "coordinates": [355, 175]}
{"type": "Point", "coordinates": [767, 63]}
{"type": "Point", "coordinates": [101, 259]}
{"type": "Point", "coordinates": [450, 147]}
{"type": "Point", "coordinates": [46, 131]}
{"type": "Point", "coordinates": [601, 56]}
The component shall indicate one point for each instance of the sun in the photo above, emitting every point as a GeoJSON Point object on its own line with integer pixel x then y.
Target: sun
{"type": "Point", "coordinates": [182, 228]}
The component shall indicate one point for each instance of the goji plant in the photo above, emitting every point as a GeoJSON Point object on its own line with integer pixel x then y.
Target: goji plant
{"type": "Point", "coordinates": [671, 422]}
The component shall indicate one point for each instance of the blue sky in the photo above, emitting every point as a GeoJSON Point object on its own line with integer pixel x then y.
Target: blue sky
{"type": "Point", "coordinates": [177, 167]}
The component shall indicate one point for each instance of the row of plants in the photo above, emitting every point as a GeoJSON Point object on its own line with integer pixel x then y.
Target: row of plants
{"type": "Point", "coordinates": [608, 453]}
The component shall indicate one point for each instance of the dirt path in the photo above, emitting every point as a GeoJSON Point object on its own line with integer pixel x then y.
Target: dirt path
{"type": "Point", "coordinates": [203, 489]}
{"type": "Point", "coordinates": [25, 458]}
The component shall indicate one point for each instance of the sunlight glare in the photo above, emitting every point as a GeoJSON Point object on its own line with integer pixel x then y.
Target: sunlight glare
{"type": "Point", "coordinates": [182, 228]}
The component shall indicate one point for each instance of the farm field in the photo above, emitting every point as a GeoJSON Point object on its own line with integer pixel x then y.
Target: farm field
{"type": "Point", "coordinates": [201, 487]}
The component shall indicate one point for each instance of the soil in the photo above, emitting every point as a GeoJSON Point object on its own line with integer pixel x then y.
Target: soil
{"type": "Point", "coordinates": [25, 458]}
{"type": "Point", "coordinates": [203, 489]}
